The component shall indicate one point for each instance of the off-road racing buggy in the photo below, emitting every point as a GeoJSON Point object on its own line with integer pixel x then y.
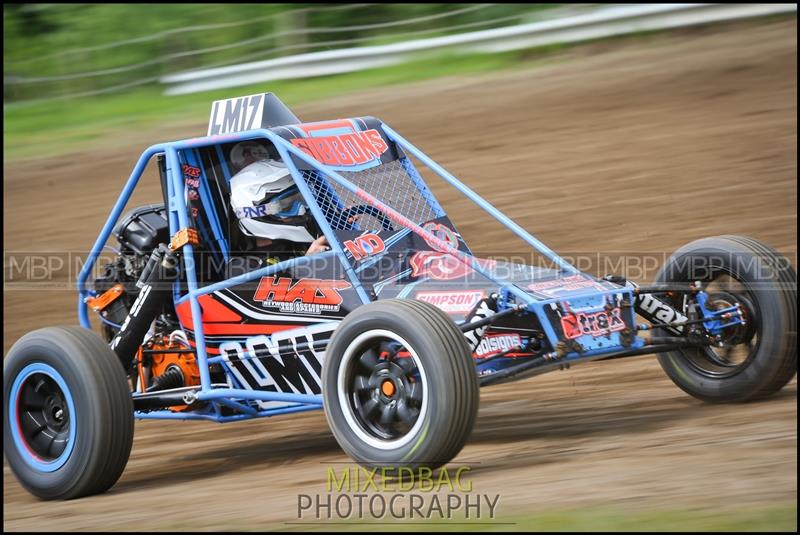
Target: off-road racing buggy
{"type": "Point", "coordinates": [392, 331]}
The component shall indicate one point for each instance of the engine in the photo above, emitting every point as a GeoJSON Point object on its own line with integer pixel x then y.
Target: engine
{"type": "Point", "coordinates": [150, 345]}
{"type": "Point", "coordinates": [166, 362]}
{"type": "Point", "coordinates": [138, 235]}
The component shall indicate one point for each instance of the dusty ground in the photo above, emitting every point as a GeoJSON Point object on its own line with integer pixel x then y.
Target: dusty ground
{"type": "Point", "coordinates": [631, 148]}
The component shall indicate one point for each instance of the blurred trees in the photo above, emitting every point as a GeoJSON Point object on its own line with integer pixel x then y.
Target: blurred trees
{"type": "Point", "coordinates": [126, 45]}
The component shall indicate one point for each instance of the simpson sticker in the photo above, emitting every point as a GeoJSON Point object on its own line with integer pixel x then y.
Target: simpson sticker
{"type": "Point", "coordinates": [365, 245]}
{"type": "Point", "coordinates": [459, 302]}
{"type": "Point", "coordinates": [595, 324]}
{"type": "Point", "coordinates": [492, 344]}
{"type": "Point", "coordinates": [304, 296]}
{"type": "Point", "coordinates": [344, 150]}
{"type": "Point", "coordinates": [235, 114]}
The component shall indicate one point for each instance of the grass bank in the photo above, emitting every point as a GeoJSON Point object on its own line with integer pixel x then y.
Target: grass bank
{"type": "Point", "coordinates": [63, 126]}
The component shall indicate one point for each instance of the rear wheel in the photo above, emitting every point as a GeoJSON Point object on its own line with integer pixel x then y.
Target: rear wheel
{"type": "Point", "coordinates": [755, 359]}
{"type": "Point", "coordinates": [399, 386]}
{"type": "Point", "coordinates": [68, 427]}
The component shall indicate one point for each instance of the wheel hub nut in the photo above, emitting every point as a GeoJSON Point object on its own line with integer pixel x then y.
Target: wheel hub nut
{"type": "Point", "coordinates": [388, 388]}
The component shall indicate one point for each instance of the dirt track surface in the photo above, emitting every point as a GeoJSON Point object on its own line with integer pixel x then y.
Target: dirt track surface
{"type": "Point", "coordinates": [631, 148]}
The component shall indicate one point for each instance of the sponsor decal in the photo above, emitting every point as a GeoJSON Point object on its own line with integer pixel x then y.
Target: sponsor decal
{"type": "Point", "coordinates": [137, 306]}
{"type": "Point", "coordinates": [191, 172]}
{"type": "Point", "coordinates": [304, 296]}
{"type": "Point", "coordinates": [253, 211]}
{"type": "Point", "coordinates": [492, 344]}
{"type": "Point", "coordinates": [654, 309]}
{"type": "Point", "coordinates": [556, 287]}
{"type": "Point", "coordinates": [459, 302]}
{"type": "Point", "coordinates": [235, 114]}
{"type": "Point", "coordinates": [437, 264]}
{"type": "Point", "coordinates": [365, 245]}
{"type": "Point", "coordinates": [482, 311]}
{"type": "Point", "coordinates": [441, 232]}
{"type": "Point", "coordinates": [595, 323]}
{"type": "Point", "coordinates": [344, 150]}
{"type": "Point", "coordinates": [288, 361]}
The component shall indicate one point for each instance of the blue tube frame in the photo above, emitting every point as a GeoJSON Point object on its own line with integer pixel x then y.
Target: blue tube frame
{"type": "Point", "coordinates": [178, 212]}
{"type": "Point", "coordinates": [193, 158]}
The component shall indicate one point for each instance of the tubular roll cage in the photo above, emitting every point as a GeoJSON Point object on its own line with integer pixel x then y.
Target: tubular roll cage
{"type": "Point", "coordinates": [178, 216]}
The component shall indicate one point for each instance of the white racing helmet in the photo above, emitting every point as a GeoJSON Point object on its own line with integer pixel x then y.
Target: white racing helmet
{"type": "Point", "coordinates": [247, 152]}
{"type": "Point", "coordinates": [268, 204]}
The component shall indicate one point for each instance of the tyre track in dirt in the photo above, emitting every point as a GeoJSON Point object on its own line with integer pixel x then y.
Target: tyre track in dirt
{"type": "Point", "coordinates": [631, 147]}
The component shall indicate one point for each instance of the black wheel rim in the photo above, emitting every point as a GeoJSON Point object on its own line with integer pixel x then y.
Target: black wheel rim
{"type": "Point", "coordinates": [43, 416]}
{"type": "Point", "coordinates": [739, 344]}
{"type": "Point", "coordinates": [386, 390]}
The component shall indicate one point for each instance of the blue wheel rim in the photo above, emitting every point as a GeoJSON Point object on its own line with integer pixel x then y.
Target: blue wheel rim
{"type": "Point", "coordinates": [16, 412]}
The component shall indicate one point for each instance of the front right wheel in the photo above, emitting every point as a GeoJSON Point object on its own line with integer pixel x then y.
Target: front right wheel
{"type": "Point", "coordinates": [399, 386]}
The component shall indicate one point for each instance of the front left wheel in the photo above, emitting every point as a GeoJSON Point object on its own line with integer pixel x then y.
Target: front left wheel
{"type": "Point", "coordinates": [399, 386]}
{"type": "Point", "coordinates": [68, 427]}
